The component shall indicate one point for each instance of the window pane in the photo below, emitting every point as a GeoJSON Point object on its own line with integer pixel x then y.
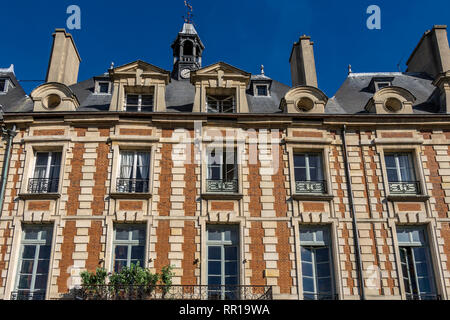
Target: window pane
{"type": "Point", "coordinates": [230, 253]}
{"type": "Point", "coordinates": [306, 235]}
{"type": "Point", "coordinates": [403, 236]}
{"type": "Point", "coordinates": [122, 233]}
{"type": "Point", "coordinates": [214, 280]}
{"type": "Point", "coordinates": [299, 160]}
{"type": "Point", "coordinates": [231, 268]}
{"type": "Point", "coordinates": [44, 252]}
{"type": "Point", "coordinates": [25, 281]}
{"type": "Point", "coordinates": [308, 284]}
{"type": "Point", "coordinates": [214, 253]}
{"type": "Point", "coordinates": [392, 175]}
{"type": "Point", "coordinates": [390, 161]}
{"type": "Point", "coordinates": [322, 255]}
{"type": "Point", "coordinates": [42, 266]}
{"type": "Point", "coordinates": [138, 234]}
{"type": "Point", "coordinates": [103, 87]}
{"type": "Point", "coordinates": [2, 85]}
{"type": "Point", "coordinates": [262, 90]}
{"type": "Point", "coordinates": [231, 280]}
{"type": "Point", "coordinates": [121, 252]}
{"type": "Point", "coordinates": [137, 252]}
{"type": "Point", "coordinates": [307, 269]}
{"type": "Point", "coordinates": [306, 254]}
{"type": "Point", "coordinates": [214, 234]}
{"type": "Point", "coordinates": [214, 267]}
{"type": "Point", "coordinates": [28, 252]}
{"type": "Point", "coordinates": [323, 270]}
{"type": "Point", "coordinates": [31, 234]}
{"type": "Point", "coordinates": [300, 174]}
{"type": "Point", "coordinates": [324, 285]}
{"type": "Point", "coordinates": [27, 266]}
{"type": "Point", "coordinates": [119, 264]}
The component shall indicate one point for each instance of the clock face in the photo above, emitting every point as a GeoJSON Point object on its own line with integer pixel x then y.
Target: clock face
{"type": "Point", "coordinates": [185, 73]}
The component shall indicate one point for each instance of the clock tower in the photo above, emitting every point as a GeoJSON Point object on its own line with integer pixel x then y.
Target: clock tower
{"type": "Point", "coordinates": [187, 52]}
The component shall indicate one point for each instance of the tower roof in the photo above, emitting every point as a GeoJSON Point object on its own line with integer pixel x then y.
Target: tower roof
{"type": "Point", "coordinates": [188, 28]}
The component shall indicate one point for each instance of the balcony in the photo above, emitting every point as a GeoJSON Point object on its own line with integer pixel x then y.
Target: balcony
{"type": "Point", "coordinates": [42, 185]}
{"type": "Point", "coordinates": [132, 185]}
{"type": "Point", "coordinates": [404, 188]}
{"type": "Point", "coordinates": [310, 187]}
{"type": "Point", "coordinates": [28, 295]}
{"type": "Point", "coordinates": [174, 292]}
{"type": "Point", "coordinates": [230, 186]}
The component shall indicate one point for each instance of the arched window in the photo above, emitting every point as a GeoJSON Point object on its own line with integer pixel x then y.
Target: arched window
{"type": "Point", "coordinates": [188, 48]}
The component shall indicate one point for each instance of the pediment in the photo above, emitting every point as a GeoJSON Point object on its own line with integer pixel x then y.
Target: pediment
{"type": "Point", "coordinates": [133, 67]}
{"type": "Point", "coordinates": [227, 69]}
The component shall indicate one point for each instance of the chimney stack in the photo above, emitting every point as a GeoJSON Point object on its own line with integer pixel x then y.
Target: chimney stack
{"type": "Point", "coordinates": [303, 66]}
{"type": "Point", "coordinates": [64, 59]}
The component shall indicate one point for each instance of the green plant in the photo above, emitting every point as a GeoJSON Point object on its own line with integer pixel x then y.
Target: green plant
{"type": "Point", "coordinates": [94, 278]}
{"type": "Point", "coordinates": [166, 278]}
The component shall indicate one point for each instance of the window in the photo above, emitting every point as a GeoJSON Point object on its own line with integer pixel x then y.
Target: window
{"type": "Point", "coordinates": [34, 263]}
{"type": "Point", "coordinates": [316, 263]}
{"type": "Point", "coordinates": [309, 173]}
{"type": "Point", "coordinates": [382, 84]}
{"type": "Point", "coordinates": [3, 85]}
{"type": "Point", "coordinates": [222, 173]}
{"type": "Point", "coordinates": [103, 87]}
{"type": "Point", "coordinates": [46, 173]}
{"type": "Point", "coordinates": [261, 90]}
{"type": "Point", "coordinates": [129, 246]}
{"type": "Point", "coordinates": [416, 264]}
{"type": "Point", "coordinates": [400, 172]}
{"type": "Point", "coordinates": [223, 262]}
{"type": "Point", "coordinates": [220, 104]}
{"type": "Point", "coordinates": [134, 172]}
{"type": "Point", "coordinates": [139, 102]}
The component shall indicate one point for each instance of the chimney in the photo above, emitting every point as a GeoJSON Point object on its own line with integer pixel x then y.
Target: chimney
{"type": "Point", "coordinates": [303, 66]}
{"type": "Point", "coordinates": [432, 54]}
{"type": "Point", "coordinates": [64, 59]}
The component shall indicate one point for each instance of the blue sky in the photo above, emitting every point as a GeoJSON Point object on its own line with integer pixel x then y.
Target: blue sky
{"type": "Point", "coordinates": [242, 33]}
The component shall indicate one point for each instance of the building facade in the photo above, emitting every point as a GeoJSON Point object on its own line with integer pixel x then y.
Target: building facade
{"type": "Point", "coordinates": [234, 179]}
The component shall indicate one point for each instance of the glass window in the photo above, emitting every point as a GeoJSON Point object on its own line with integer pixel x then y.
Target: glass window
{"type": "Point", "coordinates": [399, 167]}
{"type": "Point", "coordinates": [416, 264]}
{"type": "Point", "coordinates": [34, 263]}
{"type": "Point", "coordinates": [220, 104]}
{"type": "Point", "coordinates": [129, 246]}
{"type": "Point", "coordinates": [103, 87]}
{"type": "Point", "coordinates": [308, 171]}
{"type": "Point", "coordinates": [316, 263]}
{"type": "Point", "coordinates": [134, 172]}
{"type": "Point", "coordinates": [222, 170]}
{"type": "Point", "coordinates": [3, 85]}
{"type": "Point", "coordinates": [262, 90]}
{"type": "Point", "coordinates": [223, 262]}
{"type": "Point", "coordinates": [138, 103]}
{"type": "Point", "coordinates": [46, 172]}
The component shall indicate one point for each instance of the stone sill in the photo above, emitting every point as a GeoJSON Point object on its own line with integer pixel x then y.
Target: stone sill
{"type": "Point", "coordinates": [313, 197]}
{"type": "Point", "coordinates": [408, 198]}
{"type": "Point", "coordinates": [124, 195]}
{"type": "Point", "coordinates": [222, 196]}
{"type": "Point", "coordinates": [39, 196]}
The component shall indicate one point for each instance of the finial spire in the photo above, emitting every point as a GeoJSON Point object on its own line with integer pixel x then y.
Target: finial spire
{"type": "Point", "coordinates": [349, 68]}
{"type": "Point", "coordinates": [188, 18]}
{"type": "Point", "coordinates": [262, 69]}
{"type": "Point", "coordinates": [111, 66]}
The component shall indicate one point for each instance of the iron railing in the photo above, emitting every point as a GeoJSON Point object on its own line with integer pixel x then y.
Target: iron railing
{"type": "Point", "coordinates": [423, 296]}
{"type": "Point", "coordinates": [132, 185]}
{"type": "Point", "coordinates": [28, 295]}
{"type": "Point", "coordinates": [320, 296]}
{"type": "Point", "coordinates": [404, 187]}
{"type": "Point", "coordinates": [302, 187]}
{"type": "Point", "coordinates": [42, 185]}
{"type": "Point", "coordinates": [222, 186]}
{"type": "Point", "coordinates": [173, 292]}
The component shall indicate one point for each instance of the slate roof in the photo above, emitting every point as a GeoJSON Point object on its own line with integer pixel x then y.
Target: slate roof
{"type": "Point", "coordinates": [15, 99]}
{"type": "Point", "coordinates": [355, 92]}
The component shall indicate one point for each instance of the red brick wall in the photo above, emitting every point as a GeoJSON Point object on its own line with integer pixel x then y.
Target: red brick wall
{"type": "Point", "coordinates": [189, 248]}
{"type": "Point", "coordinates": [256, 248]}
{"type": "Point", "coordinates": [67, 248]}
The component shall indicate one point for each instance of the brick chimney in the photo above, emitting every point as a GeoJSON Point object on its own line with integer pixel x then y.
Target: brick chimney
{"type": "Point", "coordinates": [64, 59]}
{"type": "Point", "coordinates": [303, 66]}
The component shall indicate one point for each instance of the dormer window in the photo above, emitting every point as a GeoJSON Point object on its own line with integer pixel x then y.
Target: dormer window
{"type": "Point", "coordinates": [3, 86]}
{"type": "Point", "coordinates": [261, 90]}
{"type": "Point", "coordinates": [139, 103]}
{"type": "Point", "coordinates": [221, 104]}
{"type": "Point", "coordinates": [382, 84]}
{"type": "Point", "coordinates": [103, 87]}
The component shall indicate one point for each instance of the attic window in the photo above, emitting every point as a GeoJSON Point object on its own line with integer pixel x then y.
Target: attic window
{"type": "Point", "coordinates": [261, 90]}
{"type": "Point", "coordinates": [103, 87]}
{"type": "Point", "coordinates": [139, 102]}
{"type": "Point", "coordinates": [3, 86]}
{"type": "Point", "coordinates": [220, 104]}
{"type": "Point", "coordinates": [382, 84]}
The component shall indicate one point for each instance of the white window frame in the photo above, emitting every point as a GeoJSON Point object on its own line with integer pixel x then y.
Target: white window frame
{"type": "Point", "coordinates": [129, 243]}
{"type": "Point", "coordinates": [97, 87]}
{"type": "Point", "coordinates": [378, 83]}
{"type": "Point", "coordinates": [5, 90]}
{"type": "Point", "coordinates": [255, 89]}
{"type": "Point", "coordinates": [398, 167]}
{"type": "Point", "coordinates": [135, 166]}
{"type": "Point", "coordinates": [139, 105]}
{"type": "Point", "coordinates": [220, 102]}
{"type": "Point", "coordinates": [48, 167]}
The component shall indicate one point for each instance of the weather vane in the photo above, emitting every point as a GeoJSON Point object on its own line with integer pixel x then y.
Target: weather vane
{"type": "Point", "coordinates": [189, 17]}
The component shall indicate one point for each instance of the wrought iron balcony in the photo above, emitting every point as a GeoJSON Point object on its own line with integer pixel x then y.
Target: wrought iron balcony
{"type": "Point", "coordinates": [228, 186]}
{"type": "Point", "coordinates": [42, 185]}
{"type": "Point", "coordinates": [28, 295]}
{"type": "Point", "coordinates": [132, 185]}
{"type": "Point", "coordinates": [174, 292]}
{"type": "Point", "coordinates": [427, 296]}
{"type": "Point", "coordinates": [320, 296]}
{"type": "Point", "coordinates": [302, 187]}
{"type": "Point", "coordinates": [410, 187]}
